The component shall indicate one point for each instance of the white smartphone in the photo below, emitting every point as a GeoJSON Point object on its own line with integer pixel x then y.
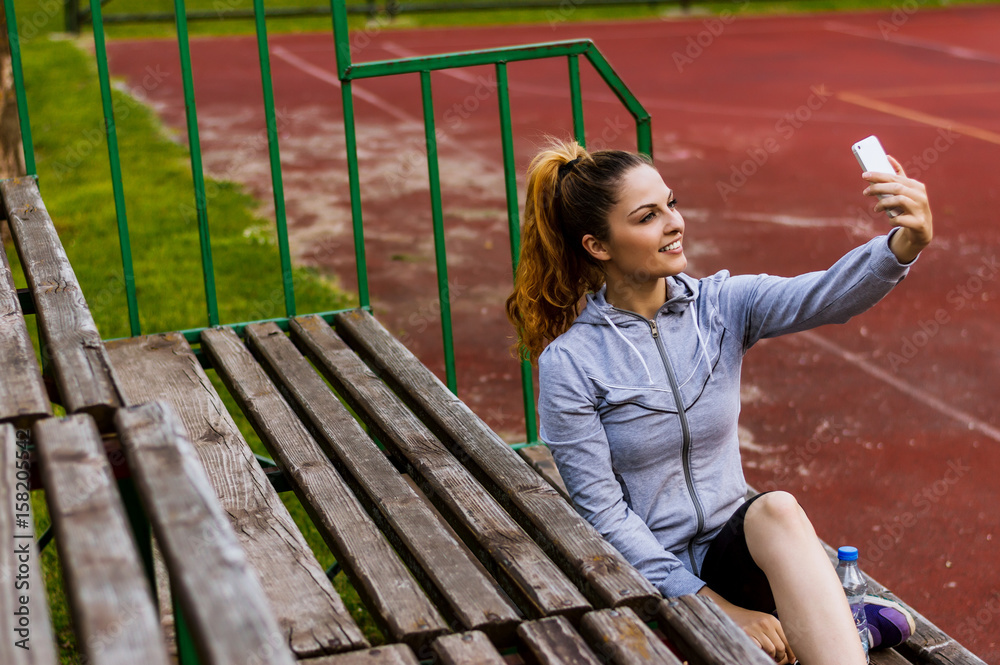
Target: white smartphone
{"type": "Point", "coordinates": [872, 158]}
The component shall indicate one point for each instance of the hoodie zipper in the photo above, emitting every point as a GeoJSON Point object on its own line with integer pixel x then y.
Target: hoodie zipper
{"type": "Point", "coordinates": [685, 431]}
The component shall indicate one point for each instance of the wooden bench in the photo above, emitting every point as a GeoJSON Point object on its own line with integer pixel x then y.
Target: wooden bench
{"type": "Point", "coordinates": [23, 396]}
{"type": "Point", "coordinates": [69, 338]}
{"type": "Point", "coordinates": [462, 551]}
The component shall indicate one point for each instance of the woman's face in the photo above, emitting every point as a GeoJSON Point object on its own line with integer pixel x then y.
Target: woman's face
{"type": "Point", "coordinates": [644, 241]}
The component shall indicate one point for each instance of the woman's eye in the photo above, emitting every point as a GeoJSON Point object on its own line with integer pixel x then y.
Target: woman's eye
{"type": "Point", "coordinates": [672, 204]}
{"type": "Point", "coordinates": [648, 217]}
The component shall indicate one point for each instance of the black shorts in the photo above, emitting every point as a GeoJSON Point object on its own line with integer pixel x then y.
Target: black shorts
{"type": "Point", "coordinates": [731, 572]}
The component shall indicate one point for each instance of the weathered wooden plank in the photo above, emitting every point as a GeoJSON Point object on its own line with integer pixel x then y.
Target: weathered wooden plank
{"type": "Point", "coordinates": [438, 560]}
{"type": "Point", "coordinates": [597, 567]}
{"type": "Point", "coordinates": [521, 567]}
{"type": "Point", "coordinates": [705, 635]}
{"type": "Point", "coordinates": [619, 637]}
{"type": "Point", "coordinates": [113, 611]}
{"type": "Point", "coordinates": [552, 641]}
{"type": "Point", "coordinates": [385, 585]}
{"type": "Point", "coordinates": [164, 600]}
{"type": "Point", "coordinates": [69, 335]}
{"type": "Point", "coordinates": [472, 648]}
{"type": "Point", "coordinates": [929, 644]}
{"type": "Point", "coordinates": [24, 615]}
{"type": "Point", "coordinates": [222, 599]}
{"type": "Point", "coordinates": [393, 654]}
{"type": "Point", "coordinates": [887, 657]}
{"type": "Point", "coordinates": [23, 398]}
{"type": "Point", "coordinates": [311, 614]}
{"type": "Point", "coordinates": [540, 459]}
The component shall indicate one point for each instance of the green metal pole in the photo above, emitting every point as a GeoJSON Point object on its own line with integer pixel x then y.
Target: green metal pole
{"type": "Point", "coordinates": [187, 653]}
{"type": "Point", "coordinates": [275, 154]}
{"type": "Point", "coordinates": [467, 59]}
{"type": "Point", "coordinates": [579, 131]}
{"type": "Point", "coordinates": [140, 527]}
{"type": "Point", "coordinates": [117, 187]}
{"type": "Point", "coordinates": [440, 253]}
{"type": "Point", "coordinates": [514, 225]}
{"type": "Point", "coordinates": [342, 46]}
{"type": "Point", "coordinates": [197, 172]}
{"type": "Point", "coordinates": [341, 36]}
{"type": "Point", "coordinates": [644, 137]}
{"type": "Point", "coordinates": [354, 184]}
{"type": "Point", "coordinates": [22, 101]}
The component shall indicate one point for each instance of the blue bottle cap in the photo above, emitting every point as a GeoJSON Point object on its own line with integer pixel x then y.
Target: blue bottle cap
{"type": "Point", "coordinates": [847, 553]}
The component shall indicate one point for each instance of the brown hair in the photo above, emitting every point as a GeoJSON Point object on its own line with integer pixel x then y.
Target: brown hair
{"type": "Point", "coordinates": [570, 194]}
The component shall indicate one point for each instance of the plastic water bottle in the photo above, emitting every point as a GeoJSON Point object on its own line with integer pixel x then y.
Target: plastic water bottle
{"type": "Point", "coordinates": [855, 587]}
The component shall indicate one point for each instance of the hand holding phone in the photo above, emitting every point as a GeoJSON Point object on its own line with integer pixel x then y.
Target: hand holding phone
{"type": "Point", "coordinates": [872, 158]}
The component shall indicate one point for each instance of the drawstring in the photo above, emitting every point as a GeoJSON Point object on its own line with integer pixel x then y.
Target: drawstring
{"type": "Point", "coordinates": [631, 345]}
{"type": "Point", "coordinates": [701, 340]}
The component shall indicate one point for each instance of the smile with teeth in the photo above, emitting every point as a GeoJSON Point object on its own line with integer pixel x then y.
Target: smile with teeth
{"type": "Point", "coordinates": [672, 246]}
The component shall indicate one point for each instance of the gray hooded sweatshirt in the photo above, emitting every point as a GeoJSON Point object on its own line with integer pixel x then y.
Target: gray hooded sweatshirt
{"type": "Point", "coordinates": [641, 414]}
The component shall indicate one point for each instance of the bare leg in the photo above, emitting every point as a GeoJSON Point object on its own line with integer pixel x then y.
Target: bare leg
{"type": "Point", "coordinates": [811, 604]}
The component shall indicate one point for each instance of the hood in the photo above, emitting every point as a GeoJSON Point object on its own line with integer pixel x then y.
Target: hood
{"type": "Point", "coordinates": [681, 289]}
{"type": "Point", "coordinates": [681, 293]}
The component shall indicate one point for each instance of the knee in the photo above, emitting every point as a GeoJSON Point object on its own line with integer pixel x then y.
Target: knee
{"type": "Point", "coordinates": [778, 509]}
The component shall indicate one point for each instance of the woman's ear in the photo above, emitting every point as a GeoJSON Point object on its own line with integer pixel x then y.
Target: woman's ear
{"type": "Point", "coordinates": [595, 248]}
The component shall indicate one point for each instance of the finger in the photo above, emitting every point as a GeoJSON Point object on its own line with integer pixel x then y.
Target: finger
{"type": "Point", "coordinates": [788, 647]}
{"type": "Point", "coordinates": [904, 203]}
{"type": "Point", "coordinates": [780, 644]}
{"type": "Point", "coordinates": [766, 644]}
{"type": "Point", "coordinates": [892, 188]}
{"type": "Point", "coordinates": [896, 165]}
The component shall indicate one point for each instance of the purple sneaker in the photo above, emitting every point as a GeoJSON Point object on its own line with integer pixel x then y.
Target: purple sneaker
{"type": "Point", "coordinates": [889, 625]}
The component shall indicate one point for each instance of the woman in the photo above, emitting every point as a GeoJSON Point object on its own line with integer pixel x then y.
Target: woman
{"type": "Point", "coordinates": [639, 390]}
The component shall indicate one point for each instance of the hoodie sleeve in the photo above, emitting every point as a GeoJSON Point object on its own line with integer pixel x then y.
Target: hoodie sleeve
{"type": "Point", "coordinates": [761, 306]}
{"type": "Point", "coordinates": [571, 427]}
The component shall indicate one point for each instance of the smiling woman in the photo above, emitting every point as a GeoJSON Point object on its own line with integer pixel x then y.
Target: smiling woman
{"type": "Point", "coordinates": [639, 393]}
{"type": "Point", "coordinates": [643, 245]}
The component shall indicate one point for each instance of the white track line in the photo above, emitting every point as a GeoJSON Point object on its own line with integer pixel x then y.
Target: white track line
{"type": "Point", "coordinates": [282, 53]}
{"type": "Point", "coordinates": [916, 42]}
{"type": "Point", "coordinates": [852, 358]}
{"type": "Point", "coordinates": [966, 419]}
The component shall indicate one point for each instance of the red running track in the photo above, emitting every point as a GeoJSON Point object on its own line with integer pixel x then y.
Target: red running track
{"type": "Point", "coordinates": [886, 428]}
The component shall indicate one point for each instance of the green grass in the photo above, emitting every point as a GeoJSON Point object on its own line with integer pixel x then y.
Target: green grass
{"type": "Point", "coordinates": [65, 110]}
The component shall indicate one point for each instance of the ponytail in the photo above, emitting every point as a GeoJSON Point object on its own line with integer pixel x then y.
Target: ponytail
{"type": "Point", "coordinates": [570, 193]}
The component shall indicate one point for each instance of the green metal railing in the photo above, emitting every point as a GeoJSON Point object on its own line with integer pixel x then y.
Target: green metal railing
{"type": "Point", "coordinates": [499, 58]}
{"type": "Point", "coordinates": [75, 16]}
{"type": "Point", "coordinates": [348, 72]}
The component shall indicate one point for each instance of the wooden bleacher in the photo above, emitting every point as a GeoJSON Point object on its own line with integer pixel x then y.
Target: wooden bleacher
{"type": "Point", "coordinates": [461, 550]}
